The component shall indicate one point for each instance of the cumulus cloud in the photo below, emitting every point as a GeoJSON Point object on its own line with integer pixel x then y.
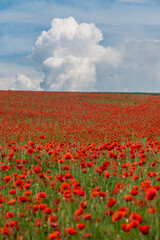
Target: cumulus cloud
{"type": "Point", "coordinates": [9, 78]}
{"type": "Point", "coordinates": [71, 58]}
{"type": "Point", "coordinates": [22, 82]}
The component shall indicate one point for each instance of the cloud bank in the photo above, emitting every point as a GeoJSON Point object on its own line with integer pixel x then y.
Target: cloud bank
{"type": "Point", "coordinates": [22, 82]}
{"type": "Point", "coordinates": [140, 69]}
{"type": "Point", "coordinates": [71, 58]}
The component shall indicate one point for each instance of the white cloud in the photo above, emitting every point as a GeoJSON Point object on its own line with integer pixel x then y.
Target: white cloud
{"type": "Point", "coordinates": [139, 70]}
{"type": "Point", "coordinates": [5, 82]}
{"type": "Point", "coordinates": [22, 82]}
{"type": "Point", "coordinates": [8, 75]}
{"type": "Point", "coordinates": [71, 58]}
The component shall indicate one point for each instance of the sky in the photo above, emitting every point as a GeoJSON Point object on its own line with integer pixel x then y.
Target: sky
{"type": "Point", "coordinates": [71, 45]}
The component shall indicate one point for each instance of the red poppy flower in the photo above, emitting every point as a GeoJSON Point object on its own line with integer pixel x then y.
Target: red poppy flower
{"type": "Point", "coordinates": [54, 235]}
{"type": "Point", "coordinates": [28, 193]}
{"type": "Point", "coordinates": [48, 211]}
{"type": "Point", "coordinates": [152, 210]}
{"type": "Point", "coordinates": [151, 194]}
{"type": "Point", "coordinates": [41, 195]}
{"type": "Point", "coordinates": [78, 211]}
{"type": "Point", "coordinates": [7, 179]}
{"type": "Point", "coordinates": [128, 198]}
{"type": "Point", "coordinates": [152, 174]}
{"type": "Point", "coordinates": [68, 156]}
{"type": "Point", "coordinates": [12, 202]}
{"type": "Point", "coordinates": [10, 215]}
{"type": "Point", "coordinates": [23, 199]}
{"type": "Point", "coordinates": [135, 216]}
{"type": "Point", "coordinates": [107, 175]}
{"type": "Point", "coordinates": [22, 214]}
{"type": "Point", "coordinates": [35, 208]}
{"type": "Point", "coordinates": [2, 200]}
{"type": "Point", "coordinates": [66, 167]}
{"type": "Point", "coordinates": [109, 212]}
{"type": "Point", "coordinates": [117, 215]}
{"type": "Point", "coordinates": [30, 151]}
{"type": "Point", "coordinates": [126, 228]}
{"type": "Point", "coordinates": [83, 205]}
{"type": "Point", "coordinates": [37, 224]}
{"type": "Point", "coordinates": [111, 202]}
{"type": "Point", "coordinates": [102, 195]}
{"type": "Point", "coordinates": [134, 192]}
{"type": "Point", "coordinates": [42, 206]}
{"type": "Point", "coordinates": [19, 182]}
{"type": "Point", "coordinates": [81, 226]}
{"type": "Point", "coordinates": [87, 235]}
{"type": "Point", "coordinates": [12, 191]}
{"type": "Point", "coordinates": [87, 216]}
{"type": "Point", "coordinates": [144, 229]}
{"type": "Point", "coordinates": [64, 186]}
{"type": "Point", "coordinates": [70, 231]}
{"type": "Point", "coordinates": [134, 224]}
{"type": "Point", "coordinates": [94, 194]}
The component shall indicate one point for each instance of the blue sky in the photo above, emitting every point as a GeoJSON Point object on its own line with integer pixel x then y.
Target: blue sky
{"type": "Point", "coordinates": [129, 26]}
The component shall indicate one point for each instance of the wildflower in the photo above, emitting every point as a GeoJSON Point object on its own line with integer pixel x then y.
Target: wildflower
{"type": "Point", "coordinates": [107, 175]}
{"type": "Point", "coordinates": [128, 198]}
{"type": "Point", "coordinates": [30, 151]}
{"type": "Point", "coordinates": [2, 200]}
{"type": "Point", "coordinates": [135, 216]}
{"type": "Point", "coordinates": [134, 192]}
{"type": "Point", "coordinates": [78, 211]}
{"type": "Point", "coordinates": [42, 206]}
{"type": "Point", "coordinates": [144, 229]}
{"type": "Point", "coordinates": [19, 182]}
{"type": "Point", "coordinates": [7, 179]}
{"type": "Point", "coordinates": [102, 194]}
{"type": "Point", "coordinates": [22, 214]}
{"type": "Point", "coordinates": [48, 211]}
{"type": "Point", "coordinates": [54, 235]}
{"type": "Point", "coordinates": [68, 156]}
{"type": "Point", "coordinates": [28, 193]}
{"type": "Point", "coordinates": [87, 235]}
{"type": "Point", "coordinates": [117, 215]}
{"type": "Point", "coordinates": [23, 199]}
{"type": "Point", "coordinates": [87, 216]}
{"type": "Point", "coordinates": [134, 224]}
{"type": "Point", "coordinates": [10, 215]}
{"type": "Point", "coordinates": [41, 195]}
{"type": "Point", "coordinates": [81, 226]}
{"type": "Point", "coordinates": [152, 174]}
{"type": "Point", "coordinates": [111, 202]}
{"type": "Point", "coordinates": [37, 224]}
{"type": "Point", "coordinates": [109, 212]}
{"type": "Point", "coordinates": [126, 228]}
{"type": "Point", "coordinates": [151, 210]}
{"type": "Point", "coordinates": [83, 205]}
{"type": "Point", "coordinates": [151, 194]}
{"type": "Point", "coordinates": [12, 202]}
{"type": "Point", "coordinates": [70, 231]}
{"type": "Point", "coordinates": [64, 186]}
{"type": "Point", "coordinates": [52, 219]}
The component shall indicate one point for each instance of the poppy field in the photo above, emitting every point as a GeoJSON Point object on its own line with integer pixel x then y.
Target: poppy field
{"type": "Point", "coordinates": [79, 166]}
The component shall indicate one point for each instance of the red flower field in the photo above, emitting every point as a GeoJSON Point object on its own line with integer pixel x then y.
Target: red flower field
{"type": "Point", "coordinates": [79, 166]}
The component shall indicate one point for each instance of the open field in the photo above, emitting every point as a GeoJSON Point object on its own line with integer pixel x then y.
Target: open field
{"type": "Point", "coordinates": [79, 166]}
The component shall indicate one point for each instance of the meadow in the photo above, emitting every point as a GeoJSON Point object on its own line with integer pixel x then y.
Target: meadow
{"type": "Point", "coordinates": [79, 166]}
